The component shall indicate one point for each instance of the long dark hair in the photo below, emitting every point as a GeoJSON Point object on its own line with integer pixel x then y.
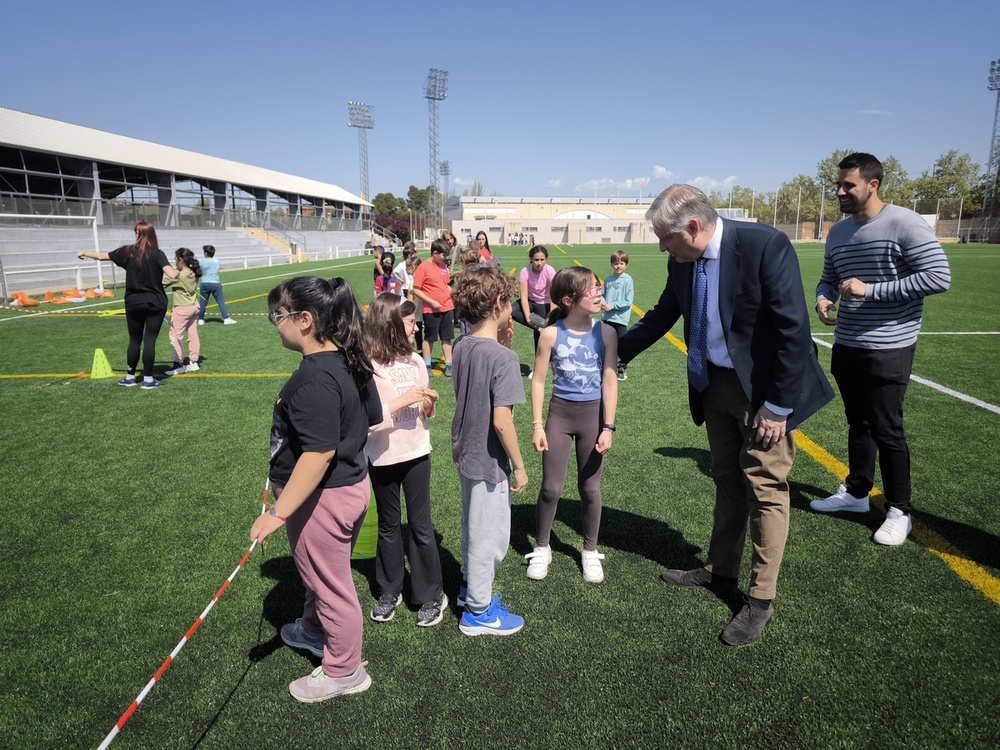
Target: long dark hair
{"type": "Point", "coordinates": [145, 239]}
{"type": "Point", "coordinates": [486, 240]}
{"type": "Point", "coordinates": [385, 336]}
{"type": "Point", "coordinates": [572, 282]}
{"type": "Point", "coordinates": [335, 312]}
{"type": "Point", "coordinates": [190, 261]}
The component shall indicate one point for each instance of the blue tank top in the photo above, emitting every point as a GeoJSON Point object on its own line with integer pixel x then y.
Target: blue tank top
{"type": "Point", "coordinates": [578, 363]}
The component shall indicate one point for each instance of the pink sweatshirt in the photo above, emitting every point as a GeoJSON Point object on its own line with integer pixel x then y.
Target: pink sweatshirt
{"type": "Point", "coordinates": [404, 435]}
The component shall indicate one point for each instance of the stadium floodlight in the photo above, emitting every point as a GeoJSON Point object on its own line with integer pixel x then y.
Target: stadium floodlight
{"type": "Point", "coordinates": [435, 90]}
{"type": "Point", "coordinates": [360, 116]}
{"type": "Point", "coordinates": [993, 165]}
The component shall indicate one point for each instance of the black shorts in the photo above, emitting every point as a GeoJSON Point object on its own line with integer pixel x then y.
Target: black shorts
{"type": "Point", "coordinates": [439, 325]}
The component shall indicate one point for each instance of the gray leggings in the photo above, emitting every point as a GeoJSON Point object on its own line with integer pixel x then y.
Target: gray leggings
{"type": "Point", "coordinates": [568, 420]}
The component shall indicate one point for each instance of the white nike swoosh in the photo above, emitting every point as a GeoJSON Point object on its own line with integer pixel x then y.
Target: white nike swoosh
{"type": "Point", "coordinates": [495, 624]}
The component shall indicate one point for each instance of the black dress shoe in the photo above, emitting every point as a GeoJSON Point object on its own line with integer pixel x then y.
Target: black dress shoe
{"type": "Point", "coordinates": [748, 624]}
{"type": "Point", "coordinates": [699, 578]}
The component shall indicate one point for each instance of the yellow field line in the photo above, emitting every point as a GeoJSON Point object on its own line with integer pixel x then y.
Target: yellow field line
{"type": "Point", "coordinates": [975, 575]}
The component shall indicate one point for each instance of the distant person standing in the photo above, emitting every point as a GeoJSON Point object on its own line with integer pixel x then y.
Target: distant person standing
{"type": "Point", "coordinates": [145, 300]}
{"type": "Point", "coordinates": [881, 262]}
{"type": "Point", "coordinates": [484, 246]}
{"type": "Point", "coordinates": [211, 286]}
{"type": "Point", "coordinates": [184, 313]}
{"type": "Point", "coordinates": [430, 286]}
{"type": "Point", "coordinates": [616, 303]}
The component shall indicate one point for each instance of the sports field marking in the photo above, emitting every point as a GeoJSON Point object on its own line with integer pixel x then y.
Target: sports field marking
{"type": "Point", "coordinates": [938, 387]}
{"type": "Point", "coordinates": [937, 333]}
{"type": "Point", "coordinates": [973, 574]}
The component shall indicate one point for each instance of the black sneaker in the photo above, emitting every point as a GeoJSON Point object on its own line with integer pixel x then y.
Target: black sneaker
{"type": "Point", "coordinates": [385, 610]}
{"type": "Point", "coordinates": [432, 612]}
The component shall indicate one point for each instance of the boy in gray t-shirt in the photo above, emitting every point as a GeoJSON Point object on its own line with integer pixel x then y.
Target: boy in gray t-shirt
{"type": "Point", "coordinates": [484, 445]}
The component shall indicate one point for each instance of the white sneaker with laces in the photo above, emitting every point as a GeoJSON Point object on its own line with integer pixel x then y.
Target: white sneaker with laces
{"type": "Point", "coordinates": [894, 530]}
{"type": "Point", "coordinates": [201, 322]}
{"type": "Point", "coordinates": [841, 500]}
{"type": "Point", "coordinates": [593, 571]}
{"type": "Point", "coordinates": [538, 563]}
{"type": "Point", "coordinates": [193, 367]}
{"type": "Point", "coordinates": [228, 322]}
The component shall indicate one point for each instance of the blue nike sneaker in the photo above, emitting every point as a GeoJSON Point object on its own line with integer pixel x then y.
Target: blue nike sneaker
{"type": "Point", "coordinates": [496, 620]}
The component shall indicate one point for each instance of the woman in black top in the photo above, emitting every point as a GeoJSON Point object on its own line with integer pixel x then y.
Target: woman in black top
{"type": "Point", "coordinates": [145, 300]}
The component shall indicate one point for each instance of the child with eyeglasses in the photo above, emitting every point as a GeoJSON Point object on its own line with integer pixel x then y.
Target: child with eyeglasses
{"type": "Point", "coordinates": [584, 355]}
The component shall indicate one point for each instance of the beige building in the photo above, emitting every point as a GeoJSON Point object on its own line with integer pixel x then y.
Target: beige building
{"type": "Point", "coordinates": [557, 221]}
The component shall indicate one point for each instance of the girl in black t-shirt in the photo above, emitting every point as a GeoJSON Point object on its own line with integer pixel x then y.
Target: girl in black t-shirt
{"type": "Point", "coordinates": [320, 475]}
{"type": "Point", "coordinates": [145, 301]}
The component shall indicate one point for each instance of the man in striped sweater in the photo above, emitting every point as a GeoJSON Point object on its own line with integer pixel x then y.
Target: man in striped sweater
{"type": "Point", "coordinates": [881, 262]}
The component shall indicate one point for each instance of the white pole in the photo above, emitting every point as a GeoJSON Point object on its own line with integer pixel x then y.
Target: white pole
{"type": "Point", "coordinates": [79, 279]}
{"type": "Point", "coordinates": [753, 197]}
{"type": "Point", "coordinates": [798, 213]}
{"type": "Point", "coordinates": [245, 264]}
{"type": "Point", "coordinates": [958, 227]}
{"type": "Point", "coordinates": [97, 249]}
{"type": "Point", "coordinates": [775, 224]}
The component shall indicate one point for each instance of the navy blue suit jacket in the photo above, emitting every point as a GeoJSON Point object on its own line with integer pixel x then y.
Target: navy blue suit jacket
{"type": "Point", "coordinates": [764, 317]}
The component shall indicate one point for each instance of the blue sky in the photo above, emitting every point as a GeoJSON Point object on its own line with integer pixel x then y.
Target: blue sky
{"type": "Point", "coordinates": [544, 98]}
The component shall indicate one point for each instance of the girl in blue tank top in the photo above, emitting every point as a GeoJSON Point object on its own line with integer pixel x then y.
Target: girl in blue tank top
{"type": "Point", "coordinates": [583, 353]}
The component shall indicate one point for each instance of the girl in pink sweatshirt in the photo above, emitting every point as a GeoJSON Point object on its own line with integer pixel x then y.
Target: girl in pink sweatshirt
{"type": "Point", "coordinates": [399, 457]}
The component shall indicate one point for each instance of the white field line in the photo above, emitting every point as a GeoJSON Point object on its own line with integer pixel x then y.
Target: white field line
{"type": "Point", "coordinates": [939, 333]}
{"type": "Point", "coordinates": [42, 313]}
{"type": "Point", "coordinates": [937, 387]}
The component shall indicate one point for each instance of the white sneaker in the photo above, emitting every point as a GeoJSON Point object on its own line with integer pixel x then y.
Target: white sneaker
{"type": "Point", "coordinates": [593, 571]}
{"type": "Point", "coordinates": [193, 367]}
{"type": "Point", "coordinates": [538, 563]}
{"type": "Point", "coordinates": [894, 529]}
{"type": "Point", "coordinates": [839, 501]}
{"type": "Point", "coordinates": [177, 371]}
{"type": "Point", "coordinates": [228, 322]}
{"type": "Point", "coordinates": [201, 322]}
{"type": "Point", "coordinates": [531, 373]}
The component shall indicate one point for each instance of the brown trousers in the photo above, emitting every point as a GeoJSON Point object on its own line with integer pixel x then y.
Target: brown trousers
{"type": "Point", "coordinates": [751, 485]}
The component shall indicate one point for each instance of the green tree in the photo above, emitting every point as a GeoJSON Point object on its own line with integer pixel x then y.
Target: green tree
{"type": "Point", "coordinates": [953, 176]}
{"type": "Point", "coordinates": [419, 199]}
{"type": "Point", "coordinates": [387, 203]}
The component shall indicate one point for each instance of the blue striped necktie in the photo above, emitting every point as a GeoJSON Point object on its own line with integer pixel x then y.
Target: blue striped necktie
{"type": "Point", "coordinates": [697, 363]}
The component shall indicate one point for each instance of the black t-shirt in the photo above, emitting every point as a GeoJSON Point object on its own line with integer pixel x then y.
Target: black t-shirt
{"type": "Point", "coordinates": [321, 409]}
{"type": "Point", "coordinates": [143, 281]}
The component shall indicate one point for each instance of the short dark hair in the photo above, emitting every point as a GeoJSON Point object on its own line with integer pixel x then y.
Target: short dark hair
{"type": "Point", "coordinates": [208, 250]}
{"type": "Point", "coordinates": [440, 246]}
{"type": "Point", "coordinates": [619, 255]}
{"type": "Point", "coordinates": [869, 167]}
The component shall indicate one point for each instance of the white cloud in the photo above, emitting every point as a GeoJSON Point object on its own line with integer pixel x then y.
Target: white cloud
{"type": "Point", "coordinates": [662, 173]}
{"type": "Point", "coordinates": [709, 184]}
{"type": "Point", "coordinates": [636, 184]}
{"type": "Point", "coordinates": [879, 112]}
{"type": "Point", "coordinates": [556, 183]}
{"type": "Point", "coordinates": [463, 182]}
{"type": "Point", "coordinates": [591, 185]}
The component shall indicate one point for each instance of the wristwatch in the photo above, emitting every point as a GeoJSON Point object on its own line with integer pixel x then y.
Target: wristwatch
{"type": "Point", "coordinates": [609, 426]}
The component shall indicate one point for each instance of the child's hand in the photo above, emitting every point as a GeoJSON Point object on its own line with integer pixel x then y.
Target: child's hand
{"type": "Point", "coordinates": [431, 395]}
{"type": "Point", "coordinates": [519, 480]}
{"type": "Point", "coordinates": [417, 394]}
{"type": "Point", "coordinates": [264, 526]}
{"type": "Point", "coordinates": [604, 442]}
{"type": "Point", "coordinates": [605, 306]}
{"type": "Point", "coordinates": [539, 440]}
{"type": "Point", "coordinates": [506, 335]}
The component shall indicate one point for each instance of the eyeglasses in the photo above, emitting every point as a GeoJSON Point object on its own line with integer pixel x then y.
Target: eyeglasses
{"type": "Point", "coordinates": [595, 291]}
{"type": "Point", "coordinates": [275, 318]}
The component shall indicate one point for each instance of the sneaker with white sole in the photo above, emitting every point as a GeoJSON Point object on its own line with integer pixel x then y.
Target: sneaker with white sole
{"type": "Point", "coordinates": [385, 610]}
{"type": "Point", "coordinates": [228, 322]}
{"type": "Point", "coordinates": [149, 385]}
{"type": "Point", "coordinates": [432, 612]}
{"type": "Point", "coordinates": [193, 367]}
{"type": "Point", "coordinates": [201, 322]}
{"type": "Point", "coordinates": [296, 636]}
{"type": "Point", "coordinates": [538, 563]}
{"type": "Point", "coordinates": [317, 687]}
{"type": "Point", "coordinates": [128, 382]}
{"type": "Point", "coordinates": [180, 370]}
{"type": "Point", "coordinates": [841, 500]}
{"type": "Point", "coordinates": [593, 571]}
{"type": "Point", "coordinates": [496, 620]}
{"type": "Point", "coordinates": [894, 530]}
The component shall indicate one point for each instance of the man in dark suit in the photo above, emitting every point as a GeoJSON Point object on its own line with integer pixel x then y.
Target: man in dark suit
{"type": "Point", "coordinates": [752, 378]}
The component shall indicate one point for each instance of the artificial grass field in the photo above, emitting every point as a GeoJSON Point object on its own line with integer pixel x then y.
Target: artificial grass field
{"type": "Point", "coordinates": [126, 510]}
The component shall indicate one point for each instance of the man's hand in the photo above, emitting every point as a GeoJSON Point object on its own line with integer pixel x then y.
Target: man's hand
{"type": "Point", "coordinates": [853, 289]}
{"type": "Point", "coordinates": [826, 309]}
{"type": "Point", "coordinates": [770, 427]}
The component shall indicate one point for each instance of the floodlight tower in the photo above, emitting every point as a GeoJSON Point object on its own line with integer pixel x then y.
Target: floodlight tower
{"type": "Point", "coordinates": [445, 172]}
{"type": "Point", "coordinates": [435, 90]}
{"type": "Point", "coordinates": [993, 166]}
{"type": "Point", "coordinates": [361, 117]}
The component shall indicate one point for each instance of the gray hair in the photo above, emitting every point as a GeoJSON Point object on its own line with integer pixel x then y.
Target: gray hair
{"type": "Point", "coordinates": [672, 209]}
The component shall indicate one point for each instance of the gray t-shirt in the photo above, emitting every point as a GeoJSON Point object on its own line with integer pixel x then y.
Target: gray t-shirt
{"type": "Point", "coordinates": [486, 375]}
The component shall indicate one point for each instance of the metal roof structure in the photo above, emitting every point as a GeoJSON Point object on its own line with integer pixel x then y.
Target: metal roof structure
{"type": "Point", "coordinates": [35, 133]}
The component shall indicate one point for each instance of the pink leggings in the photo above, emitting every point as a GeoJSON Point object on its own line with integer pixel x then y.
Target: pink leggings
{"type": "Point", "coordinates": [322, 533]}
{"type": "Point", "coordinates": [185, 318]}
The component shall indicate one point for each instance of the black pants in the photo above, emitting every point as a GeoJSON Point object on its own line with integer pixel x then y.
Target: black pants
{"type": "Point", "coordinates": [144, 323]}
{"type": "Point", "coordinates": [620, 329]}
{"type": "Point", "coordinates": [425, 563]}
{"type": "Point", "coordinates": [872, 383]}
{"type": "Point", "coordinates": [539, 308]}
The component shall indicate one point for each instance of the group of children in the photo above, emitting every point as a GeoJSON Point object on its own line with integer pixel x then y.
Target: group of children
{"type": "Point", "coordinates": [361, 384]}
